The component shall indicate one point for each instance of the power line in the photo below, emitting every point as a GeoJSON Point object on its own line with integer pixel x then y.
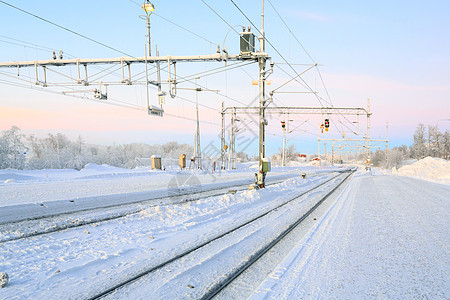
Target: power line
{"type": "Point", "coordinates": [109, 47]}
{"type": "Point", "coordinates": [220, 69]}
{"type": "Point", "coordinates": [24, 42]}
{"type": "Point", "coordinates": [173, 23]}
{"type": "Point", "coordinates": [134, 107]}
{"type": "Point", "coordinates": [304, 49]}
{"type": "Point", "coordinates": [206, 106]}
{"type": "Point", "coordinates": [85, 37]}
{"type": "Point", "coordinates": [22, 45]}
{"type": "Point", "coordinates": [65, 28]}
{"type": "Point", "coordinates": [278, 52]}
{"type": "Point", "coordinates": [191, 32]}
{"type": "Point", "coordinates": [217, 14]}
{"type": "Point", "coordinates": [190, 119]}
{"type": "Point", "coordinates": [201, 86]}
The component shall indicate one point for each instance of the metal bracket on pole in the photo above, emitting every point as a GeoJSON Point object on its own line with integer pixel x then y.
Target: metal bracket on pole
{"type": "Point", "coordinates": [222, 139]}
{"type": "Point", "coordinates": [79, 80]}
{"type": "Point", "coordinates": [36, 73]}
{"type": "Point", "coordinates": [44, 84]}
{"type": "Point", "coordinates": [172, 89]}
{"type": "Point", "coordinates": [86, 75]}
{"type": "Point", "coordinates": [126, 81]}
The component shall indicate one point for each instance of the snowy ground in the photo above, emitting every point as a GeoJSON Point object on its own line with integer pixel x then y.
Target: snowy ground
{"type": "Point", "coordinates": [385, 236]}
{"type": "Point", "coordinates": [429, 168]}
{"type": "Point", "coordinates": [40, 186]}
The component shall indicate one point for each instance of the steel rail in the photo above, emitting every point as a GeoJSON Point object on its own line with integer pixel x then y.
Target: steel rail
{"type": "Point", "coordinates": [255, 257]}
{"type": "Point", "coordinates": [219, 236]}
{"type": "Point", "coordinates": [198, 195]}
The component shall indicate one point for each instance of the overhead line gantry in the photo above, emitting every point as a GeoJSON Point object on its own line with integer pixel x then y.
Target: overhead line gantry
{"type": "Point", "coordinates": [248, 52]}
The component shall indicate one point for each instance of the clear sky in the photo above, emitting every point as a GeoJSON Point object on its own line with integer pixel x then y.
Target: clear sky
{"type": "Point", "coordinates": [394, 52]}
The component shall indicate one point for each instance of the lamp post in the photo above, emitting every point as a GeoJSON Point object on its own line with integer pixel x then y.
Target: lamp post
{"type": "Point", "coordinates": [148, 7]}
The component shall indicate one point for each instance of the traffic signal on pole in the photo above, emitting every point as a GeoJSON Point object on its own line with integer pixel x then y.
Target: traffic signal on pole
{"type": "Point", "coordinates": [327, 123]}
{"type": "Point", "coordinates": [283, 125]}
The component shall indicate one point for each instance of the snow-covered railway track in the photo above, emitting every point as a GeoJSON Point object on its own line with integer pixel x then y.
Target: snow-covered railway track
{"type": "Point", "coordinates": [16, 230]}
{"type": "Point", "coordinates": [219, 280]}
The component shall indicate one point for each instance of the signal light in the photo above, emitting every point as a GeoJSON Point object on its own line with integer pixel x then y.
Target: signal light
{"type": "Point", "coordinates": [327, 123]}
{"type": "Point", "coordinates": [283, 125]}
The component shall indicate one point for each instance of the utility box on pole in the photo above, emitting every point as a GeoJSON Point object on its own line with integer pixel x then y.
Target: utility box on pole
{"type": "Point", "coordinates": [266, 165]}
{"type": "Point", "coordinates": [247, 43]}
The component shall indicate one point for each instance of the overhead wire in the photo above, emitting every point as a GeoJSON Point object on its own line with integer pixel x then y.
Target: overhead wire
{"type": "Point", "coordinates": [88, 38]}
{"type": "Point", "coordinates": [119, 51]}
{"type": "Point", "coordinates": [66, 29]}
{"type": "Point", "coordinates": [25, 42]}
{"type": "Point", "coordinates": [309, 55]}
{"type": "Point", "coordinates": [290, 31]}
{"type": "Point", "coordinates": [127, 105]}
{"type": "Point", "coordinates": [217, 14]}
{"type": "Point", "coordinates": [179, 26]}
{"type": "Point", "coordinates": [204, 87]}
{"type": "Point", "coordinates": [276, 50]}
{"type": "Point", "coordinates": [69, 30]}
{"type": "Point", "coordinates": [289, 64]}
{"type": "Point", "coordinates": [220, 69]}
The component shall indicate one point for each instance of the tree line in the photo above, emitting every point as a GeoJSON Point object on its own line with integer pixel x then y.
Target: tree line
{"type": "Point", "coordinates": [427, 141]}
{"type": "Point", "coordinates": [57, 151]}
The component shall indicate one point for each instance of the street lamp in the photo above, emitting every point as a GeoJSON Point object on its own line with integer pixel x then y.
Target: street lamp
{"type": "Point", "coordinates": [148, 7]}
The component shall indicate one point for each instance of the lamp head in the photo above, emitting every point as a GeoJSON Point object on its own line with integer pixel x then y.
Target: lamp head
{"type": "Point", "coordinates": [148, 7]}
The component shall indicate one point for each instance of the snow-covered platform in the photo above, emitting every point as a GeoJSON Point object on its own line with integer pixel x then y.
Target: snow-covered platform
{"type": "Point", "coordinates": [385, 237]}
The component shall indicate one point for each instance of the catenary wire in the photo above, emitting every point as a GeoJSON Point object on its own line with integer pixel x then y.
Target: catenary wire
{"type": "Point", "coordinates": [65, 28]}
{"type": "Point", "coordinates": [179, 26]}
{"type": "Point", "coordinates": [307, 53]}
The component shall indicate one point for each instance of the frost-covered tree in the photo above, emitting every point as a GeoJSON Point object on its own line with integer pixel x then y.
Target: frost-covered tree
{"type": "Point", "coordinates": [12, 149]}
{"type": "Point", "coordinates": [405, 151]}
{"type": "Point", "coordinates": [242, 156]}
{"type": "Point", "coordinates": [58, 152]}
{"type": "Point", "coordinates": [394, 157]}
{"type": "Point", "coordinates": [445, 145]}
{"type": "Point", "coordinates": [291, 153]}
{"type": "Point", "coordinates": [378, 159]}
{"type": "Point", "coordinates": [419, 149]}
{"type": "Point", "coordinates": [433, 141]}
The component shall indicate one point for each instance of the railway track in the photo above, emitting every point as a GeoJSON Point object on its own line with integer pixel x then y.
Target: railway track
{"type": "Point", "coordinates": [223, 279]}
{"type": "Point", "coordinates": [54, 223]}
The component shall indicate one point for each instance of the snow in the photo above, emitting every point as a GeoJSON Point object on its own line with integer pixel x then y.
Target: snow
{"type": "Point", "coordinates": [41, 186]}
{"type": "Point", "coordinates": [384, 236]}
{"type": "Point", "coordinates": [57, 265]}
{"type": "Point", "coordinates": [36, 193]}
{"type": "Point", "coordinates": [429, 168]}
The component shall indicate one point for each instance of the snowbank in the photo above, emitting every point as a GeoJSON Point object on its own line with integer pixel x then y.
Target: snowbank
{"type": "Point", "coordinates": [429, 168]}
